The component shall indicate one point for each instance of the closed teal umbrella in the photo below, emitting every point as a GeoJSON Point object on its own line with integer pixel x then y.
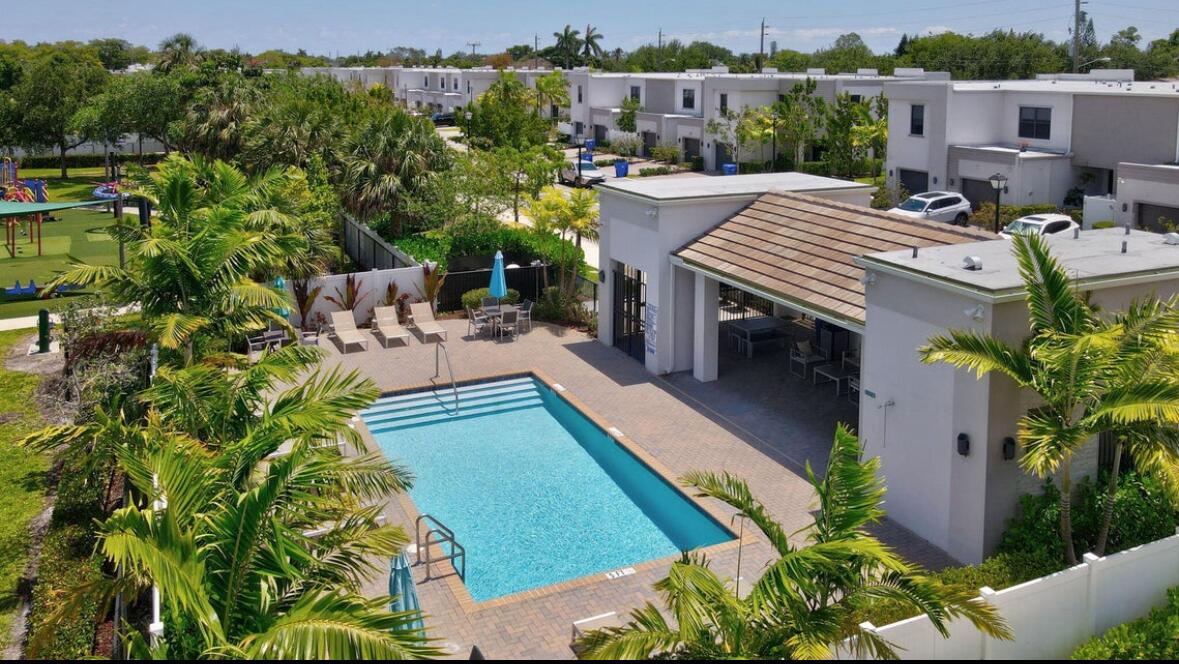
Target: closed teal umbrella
{"type": "Point", "coordinates": [499, 283]}
{"type": "Point", "coordinates": [403, 590]}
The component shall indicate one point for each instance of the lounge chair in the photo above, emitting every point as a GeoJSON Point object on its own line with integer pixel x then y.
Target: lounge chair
{"type": "Point", "coordinates": [805, 355]}
{"type": "Point", "coordinates": [509, 322]}
{"type": "Point", "coordinates": [585, 625]}
{"type": "Point", "coordinates": [477, 322]}
{"type": "Point", "coordinates": [526, 313]}
{"type": "Point", "coordinates": [423, 319]}
{"type": "Point", "coordinates": [344, 329]}
{"type": "Point", "coordinates": [388, 325]}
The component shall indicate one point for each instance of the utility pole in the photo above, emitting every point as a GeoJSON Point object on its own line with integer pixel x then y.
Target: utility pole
{"type": "Point", "coordinates": [473, 46]}
{"type": "Point", "coordinates": [659, 51]}
{"type": "Point", "coordinates": [1076, 36]}
{"type": "Point", "coordinates": [761, 49]}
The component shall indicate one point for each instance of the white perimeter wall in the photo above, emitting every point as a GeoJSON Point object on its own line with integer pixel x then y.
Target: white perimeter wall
{"type": "Point", "coordinates": [372, 285]}
{"type": "Point", "coordinates": [1053, 615]}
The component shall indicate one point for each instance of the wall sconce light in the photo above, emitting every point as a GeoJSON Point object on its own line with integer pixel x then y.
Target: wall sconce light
{"type": "Point", "coordinates": [963, 444]}
{"type": "Point", "coordinates": [1008, 448]}
{"type": "Point", "coordinates": [951, 182]}
{"type": "Point", "coordinates": [1125, 207]}
{"type": "Point", "coordinates": [601, 276]}
{"type": "Point", "coordinates": [935, 179]}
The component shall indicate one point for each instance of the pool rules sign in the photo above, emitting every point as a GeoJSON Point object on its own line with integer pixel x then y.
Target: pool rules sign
{"type": "Point", "coordinates": [650, 316]}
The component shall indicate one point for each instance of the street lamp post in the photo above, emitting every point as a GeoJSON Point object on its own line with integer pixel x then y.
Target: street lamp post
{"type": "Point", "coordinates": [468, 116]}
{"type": "Point", "coordinates": [998, 183]}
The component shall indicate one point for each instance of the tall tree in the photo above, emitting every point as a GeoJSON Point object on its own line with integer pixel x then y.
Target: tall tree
{"type": "Point", "coordinates": [179, 50]}
{"type": "Point", "coordinates": [590, 46]}
{"type": "Point", "coordinates": [568, 44]}
{"type": "Point", "coordinates": [51, 91]}
{"type": "Point", "coordinates": [1091, 375]}
{"type": "Point", "coordinates": [808, 600]}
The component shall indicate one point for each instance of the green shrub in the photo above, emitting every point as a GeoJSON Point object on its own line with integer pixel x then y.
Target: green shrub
{"type": "Point", "coordinates": [604, 163]}
{"type": "Point", "coordinates": [751, 167]}
{"type": "Point", "coordinates": [67, 561]}
{"type": "Point", "coordinates": [654, 170]}
{"type": "Point", "coordinates": [85, 160]}
{"type": "Point", "coordinates": [668, 154]}
{"type": "Point", "coordinates": [1000, 571]}
{"type": "Point", "coordinates": [1155, 636]}
{"type": "Point", "coordinates": [473, 299]}
{"type": "Point", "coordinates": [814, 168]}
{"type": "Point", "coordinates": [697, 163]}
{"type": "Point", "coordinates": [1143, 513]}
{"type": "Point", "coordinates": [1104, 223]}
{"type": "Point", "coordinates": [441, 246]}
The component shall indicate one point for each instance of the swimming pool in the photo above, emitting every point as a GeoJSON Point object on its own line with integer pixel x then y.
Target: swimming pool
{"type": "Point", "coordinates": [535, 492]}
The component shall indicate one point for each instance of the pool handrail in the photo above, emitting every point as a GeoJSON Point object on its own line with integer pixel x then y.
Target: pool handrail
{"type": "Point", "coordinates": [453, 384]}
{"type": "Point", "coordinates": [434, 527]}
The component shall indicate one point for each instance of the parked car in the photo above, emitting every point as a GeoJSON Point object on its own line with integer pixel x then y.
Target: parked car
{"type": "Point", "coordinates": [1040, 224]}
{"type": "Point", "coordinates": [443, 119]}
{"type": "Point", "coordinates": [584, 175]}
{"type": "Point", "coordinates": [944, 206]}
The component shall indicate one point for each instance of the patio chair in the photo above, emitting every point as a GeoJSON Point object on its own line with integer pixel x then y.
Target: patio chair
{"type": "Point", "coordinates": [526, 313]}
{"type": "Point", "coordinates": [477, 322]}
{"type": "Point", "coordinates": [805, 355]}
{"type": "Point", "coordinates": [509, 322]}
{"type": "Point", "coordinates": [853, 389]}
{"type": "Point", "coordinates": [423, 319]}
{"type": "Point", "coordinates": [344, 329]}
{"type": "Point", "coordinates": [388, 325]}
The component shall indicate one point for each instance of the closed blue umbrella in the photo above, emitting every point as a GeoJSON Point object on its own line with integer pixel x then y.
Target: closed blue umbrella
{"type": "Point", "coordinates": [402, 589]}
{"type": "Point", "coordinates": [499, 283]}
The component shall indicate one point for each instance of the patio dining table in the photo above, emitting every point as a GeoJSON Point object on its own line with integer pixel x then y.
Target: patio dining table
{"type": "Point", "coordinates": [749, 330]}
{"type": "Point", "coordinates": [494, 314]}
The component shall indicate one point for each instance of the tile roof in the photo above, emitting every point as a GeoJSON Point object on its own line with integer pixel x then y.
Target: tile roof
{"type": "Point", "coordinates": [801, 248]}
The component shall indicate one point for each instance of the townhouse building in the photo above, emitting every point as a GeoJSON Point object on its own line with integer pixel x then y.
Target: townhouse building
{"type": "Point", "coordinates": [1101, 135]}
{"type": "Point", "coordinates": [427, 89]}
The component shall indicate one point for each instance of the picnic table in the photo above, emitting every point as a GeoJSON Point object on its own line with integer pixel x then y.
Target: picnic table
{"type": "Point", "coordinates": [749, 331]}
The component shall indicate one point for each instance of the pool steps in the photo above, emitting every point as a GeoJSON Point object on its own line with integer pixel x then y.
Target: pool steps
{"type": "Point", "coordinates": [418, 408]}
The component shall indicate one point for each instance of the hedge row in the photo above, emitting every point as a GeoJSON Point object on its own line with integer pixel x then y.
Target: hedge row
{"type": "Point", "coordinates": [1154, 637]}
{"type": "Point", "coordinates": [86, 160]}
{"type": "Point", "coordinates": [441, 246]}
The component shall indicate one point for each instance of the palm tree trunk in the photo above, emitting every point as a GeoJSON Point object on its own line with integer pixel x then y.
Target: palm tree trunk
{"type": "Point", "coordinates": [1066, 515]}
{"type": "Point", "coordinates": [1111, 492]}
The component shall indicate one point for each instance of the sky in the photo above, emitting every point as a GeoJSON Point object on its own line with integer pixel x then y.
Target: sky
{"type": "Point", "coordinates": [353, 26]}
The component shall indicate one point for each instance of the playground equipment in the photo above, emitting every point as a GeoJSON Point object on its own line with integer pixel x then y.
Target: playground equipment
{"type": "Point", "coordinates": [15, 213]}
{"type": "Point", "coordinates": [109, 191]}
{"type": "Point", "coordinates": [14, 189]}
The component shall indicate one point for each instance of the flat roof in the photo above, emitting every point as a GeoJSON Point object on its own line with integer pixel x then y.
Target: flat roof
{"type": "Point", "coordinates": [1138, 88]}
{"type": "Point", "coordinates": [1093, 258]}
{"type": "Point", "coordinates": [686, 188]}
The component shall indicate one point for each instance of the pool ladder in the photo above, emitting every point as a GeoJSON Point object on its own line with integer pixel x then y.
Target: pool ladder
{"type": "Point", "coordinates": [437, 534]}
{"type": "Point", "coordinates": [437, 367]}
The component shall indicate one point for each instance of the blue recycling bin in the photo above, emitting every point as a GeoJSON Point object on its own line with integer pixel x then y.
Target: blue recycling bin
{"type": "Point", "coordinates": [729, 169]}
{"type": "Point", "coordinates": [621, 168]}
{"type": "Point", "coordinates": [587, 156]}
{"type": "Point", "coordinates": [590, 144]}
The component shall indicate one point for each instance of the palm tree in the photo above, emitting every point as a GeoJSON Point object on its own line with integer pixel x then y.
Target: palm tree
{"type": "Point", "coordinates": [568, 44]}
{"type": "Point", "coordinates": [552, 89]}
{"type": "Point", "coordinates": [807, 601]}
{"type": "Point", "coordinates": [179, 50]}
{"type": "Point", "coordinates": [1091, 375]}
{"type": "Point", "coordinates": [254, 528]}
{"type": "Point", "coordinates": [590, 48]}
{"type": "Point", "coordinates": [390, 155]}
{"type": "Point", "coordinates": [190, 270]}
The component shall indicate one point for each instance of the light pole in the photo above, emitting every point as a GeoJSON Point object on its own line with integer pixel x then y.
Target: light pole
{"type": "Point", "coordinates": [998, 183]}
{"type": "Point", "coordinates": [1093, 62]}
{"type": "Point", "coordinates": [468, 117]}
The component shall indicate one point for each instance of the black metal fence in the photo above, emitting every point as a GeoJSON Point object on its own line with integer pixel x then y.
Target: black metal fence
{"type": "Point", "coordinates": [529, 280]}
{"type": "Point", "coordinates": [368, 249]}
{"type": "Point", "coordinates": [736, 304]}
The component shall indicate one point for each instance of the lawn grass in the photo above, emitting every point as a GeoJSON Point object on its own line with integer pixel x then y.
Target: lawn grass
{"type": "Point", "coordinates": [81, 234]}
{"type": "Point", "coordinates": [22, 475]}
{"type": "Point", "coordinates": [79, 186]}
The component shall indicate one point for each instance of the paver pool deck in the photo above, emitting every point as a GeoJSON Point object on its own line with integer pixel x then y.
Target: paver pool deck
{"type": "Point", "coordinates": [668, 419]}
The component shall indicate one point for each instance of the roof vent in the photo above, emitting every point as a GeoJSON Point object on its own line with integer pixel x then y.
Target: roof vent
{"type": "Point", "coordinates": [1171, 238]}
{"type": "Point", "coordinates": [972, 263]}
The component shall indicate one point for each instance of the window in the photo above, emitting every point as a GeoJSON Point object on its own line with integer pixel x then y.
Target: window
{"type": "Point", "coordinates": [425, 81]}
{"type": "Point", "coordinates": [857, 99]}
{"type": "Point", "coordinates": [579, 94]}
{"type": "Point", "coordinates": [1035, 122]}
{"type": "Point", "coordinates": [689, 99]}
{"type": "Point", "coordinates": [468, 87]}
{"type": "Point", "coordinates": [782, 98]}
{"type": "Point", "coordinates": [917, 119]}
{"type": "Point", "coordinates": [942, 203]}
{"type": "Point", "coordinates": [456, 84]}
{"type": "Point", "coordinates": [636, 93]}
{"type": "Point", "coordinates": [724, 102]}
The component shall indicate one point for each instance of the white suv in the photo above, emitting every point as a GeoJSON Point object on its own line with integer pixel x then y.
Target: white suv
{"type": "Point", "coordinates": [944, 206]}
{"type": "Point", "coordinates": [1040, 224]}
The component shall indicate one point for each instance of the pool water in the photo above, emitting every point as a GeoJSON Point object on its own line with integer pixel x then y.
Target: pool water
{"type": "Point", "coordinates": [535, 492]}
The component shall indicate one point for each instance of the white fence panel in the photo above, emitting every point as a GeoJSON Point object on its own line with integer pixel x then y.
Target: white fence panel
{"type": "Point", "coordinates": [1052, 615]}
{"type": "Point", "coordinates": [372, 286]}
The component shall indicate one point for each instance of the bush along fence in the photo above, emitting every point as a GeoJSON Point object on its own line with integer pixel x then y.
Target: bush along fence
{"type": "Point", "coordinates": [370, 250]}
{"type": "Point", "coordinates": [1054, 614]}
{"type": "Point", "coordinates": [317, 297]}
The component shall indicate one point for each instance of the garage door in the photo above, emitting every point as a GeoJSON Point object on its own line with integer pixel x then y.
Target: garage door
{"type": "Point", "coordinates": [1158, 218]}
{"type": "Point", "coordinates": [977, 192]}
{"type": "Point", "coordinates": [915, 182]}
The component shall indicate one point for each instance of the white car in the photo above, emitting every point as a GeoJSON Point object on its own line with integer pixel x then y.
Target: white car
{"type": "Point", "coordinates": [1040, 224]}
{"type": "Point", "coordinates": [944, 206]}
{"type": "Point", "coordinates": [585, 175]}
